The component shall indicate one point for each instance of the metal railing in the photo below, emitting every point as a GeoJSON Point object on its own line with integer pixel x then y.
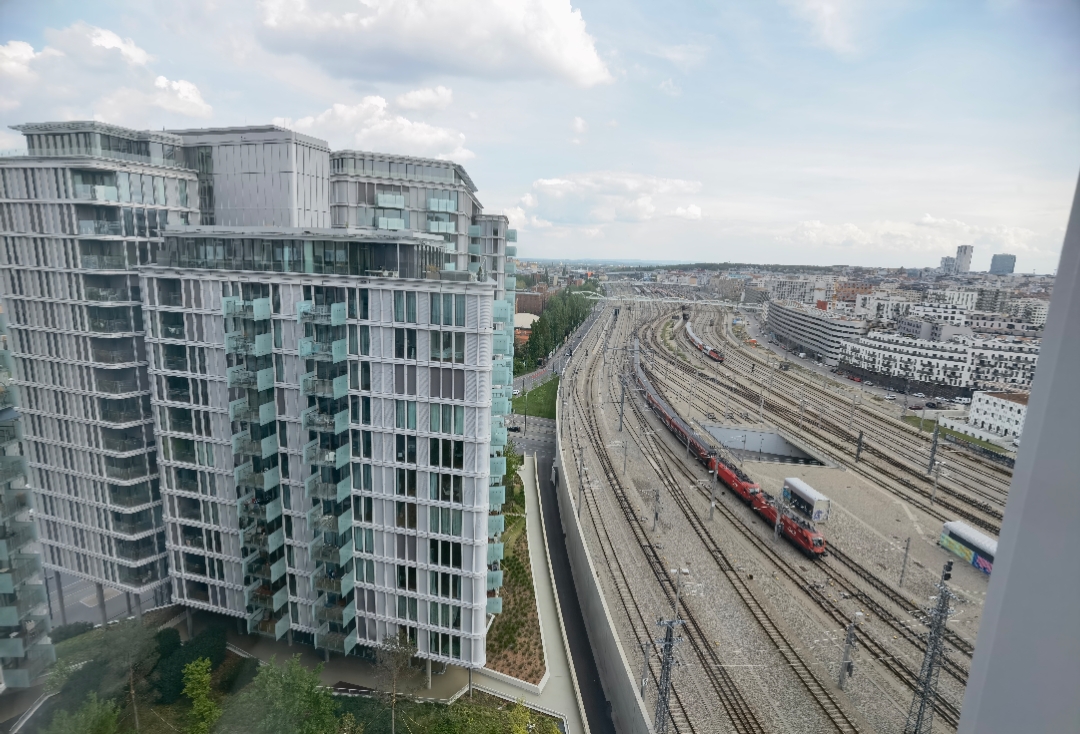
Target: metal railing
{"type": "Point", "coordinates": [80, 152]}
{"type": "Point", "coordinates": [103, 262]}
{"type": "Point", "coordinates": [100, 227]}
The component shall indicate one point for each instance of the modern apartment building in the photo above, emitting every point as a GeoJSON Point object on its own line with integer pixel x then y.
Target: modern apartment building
{"type": "Point", "coordinates": [311, 415]}
{"type": "Point", "coordinates": [1002, 264]}
{"type": "Point", "coordinates": [896, 360]}
{"type": "Point", "coordinates": [820, 333]}
{"type": "Point", "coordinates": [25, 648]}
{"type": "Point", "coordinates": [963, 258]}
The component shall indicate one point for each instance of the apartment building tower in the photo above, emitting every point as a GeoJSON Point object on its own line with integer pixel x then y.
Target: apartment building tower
{"type": "Point", "coordinates": [283, 395]}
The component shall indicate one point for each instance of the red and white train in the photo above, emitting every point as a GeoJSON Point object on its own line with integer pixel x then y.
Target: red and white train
{"type": "Point", "coordinates": [711, 352]}
{"type": "Point", "coordinates": [799, 532]}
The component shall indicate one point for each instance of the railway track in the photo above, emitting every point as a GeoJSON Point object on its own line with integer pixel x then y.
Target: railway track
{"type": "Point", "coordinates": [839, 442]}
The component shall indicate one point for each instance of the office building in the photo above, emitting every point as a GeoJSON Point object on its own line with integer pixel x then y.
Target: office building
{"type": "Point", "coordinates": [948, 265]}
{"type": "Point", "coordinates": [240, 408]}
{"type": "Point", "coordinates": [963, 258]}
{"type": "Point", "coordinates": [817, 332]}
{"type": "Point", "coordinates": [1002, 264]}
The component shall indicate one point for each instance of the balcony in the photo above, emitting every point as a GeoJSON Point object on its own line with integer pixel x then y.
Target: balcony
{"type": "Point", "coordinates": [26, 671]}
{"type": "Point", "coordinates": [254, 346]}
{"type": "Point", "coordinates": [11, 467]}
{"type": "Point", "coordinates": [88, 192]}
{"type": "Point", "coordinates": [137, 577]}
{"type": "Point", "coordinates": [494, 580]}
{"type": "Point", "coordinates": [18, 643]}
{"type": "Point", "coordinates": [10, 432]}
{"type": "Point", "coordinates": [13, 503]}
{"type": "Point", "coordinates": [116, 387]}
{"type": "Point", "coordinates": [249, 507]}
{"type": "Point", "coordinates": [392, 223]}
{"type": "Point", "coordinates": [390, 201]}
{"type": "Point", "coordinates": [244, 445]}
{"type": "Point", "coordinates": [274, 627]}
{"type": "Point", "coordinates": [336, 388]}
{"type": "Point", "coordinates": [246, 477]}
{"type": "Point", "coordinates": [100, 227]}
{"type": "Point", "coordinates": [131, 525]}
{"type": "Point", "coordinates": [332, 314]}
{"type": "Point", "coordinates": [494, 552]}
{"type": "Point", "coordinates": [256, 536]}
{"type": "Point", "coordinates": [316, 456]}
{"type": "Point", "coordinates": [496, 497]}
{"type": "Point", "coordinates": [256, 310]}
{"type": "Point", "coordinates": [311, 348]}
{"type": "Point", "coordinates": [313, 420]}
{"type": "Point", "coordinates": [21, 567]}
{"type": "Point", "coordinates": [107, 294]}
{"type": "Point", "coordinates": [342, 581]}
{"type": "Point", "coordinates": [32, 597]}
{"type": "Point", "coordinates": [14, 536]}
{"type": "Point", "coordinates": [511, 250]}
{"type": "Point", "coordinates": [315, 488]}
{"type": "Point", "coordinates": [240, 377]}
{"type": "Point", "coordinates": [126, 472]}
{"type": "Point", "coordinates": [442, 205]}
{"type": "Point", "coordinates": [270, 572]}
{"type": "Point", "coordinates": [334, 523]}
{"type": "Point", "coordinates": [496, 525]}
{"type": "Point", "coordinates": [113, 356]}
{"type": "Point", "coordinates": [331, 552]}
{"type": "Point", "coordinates": [131, 496]}
{"type": "Point", "coordinates": [9, 396]}
{"type": "Point", "coordinates": [110, 326]}
{"type": "Point", "coordinates": [270, 600]}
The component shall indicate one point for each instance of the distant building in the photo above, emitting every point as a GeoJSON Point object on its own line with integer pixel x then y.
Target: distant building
{"type": "Point", "coordinates": [820, 333]}
{"type": "Point", "coordinates": [963, 258]}
{"type": "Point", "coordinates": [997, 417]}
{"type": "Point", "coordinates": [1000, 323]}
{"type": "Point", "coordinates": [948, 265]}
{"type": "Point", "coordinates": [523, 323]}
{"type": "Point", "coordinates": [898, 360]}
{"type": "Point", "coordinates": [1002, 264]}
{"type": "Point", "coordinates": [1002, 362]}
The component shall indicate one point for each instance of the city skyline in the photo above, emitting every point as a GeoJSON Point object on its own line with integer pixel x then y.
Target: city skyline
{"type": "Point", "coordinates": [799, 132]}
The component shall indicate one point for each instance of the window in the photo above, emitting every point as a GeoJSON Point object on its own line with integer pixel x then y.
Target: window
{"type": "Point", "coordinates": [405, 448]}
{"type": "Point", "coordinates": [444, 553]}
{"type": "Point", "coordinates": [405, 343]}
{"type": "Point", "coordinates": [399, 306]}
{"type": "Point", "coordinates": [406, 579]}
{"type": "Point", "coordinates": [406, 482]}
{"type": "Point", "coordinates": [405, 516]}
{"type": "Point", "coordinates": [447, 309]}
{"type": "Point", "coordinates": [459, 310]}
{"type": "Point", "coordinates": [436, 311]}
{"type": "Point", "coordinates": [444, 644]}
{"type": "Point", "coordinates": [444, 615]}
{"type": "Point", "coordinates": [410, 307]}
{"type": "Point", "coordinates": [407, 608]}
{"type": "Point", "coordinates": [406, 414]}
{"type": "Point", "coordinates": [446, 488]}
{"type": "Point", "coordinates": [445, 521]}
{"type": "Point", "coordinates": [446, 585]}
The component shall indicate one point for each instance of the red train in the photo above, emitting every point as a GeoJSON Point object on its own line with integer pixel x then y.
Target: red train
{"type": "Point", "coordinates": [729, 474]}
{"type": "Point", "coordinates": [799, 532]}
{"type": "Point", "coordinates": [711, 352]}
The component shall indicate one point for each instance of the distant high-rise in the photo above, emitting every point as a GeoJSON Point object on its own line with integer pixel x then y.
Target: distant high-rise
{"type": "Point", "coordinates": [1002, 264]}
{"type": "Point", "coordinates": [963, 258]}
{"type": "Point", "coordinates": [948, 265]}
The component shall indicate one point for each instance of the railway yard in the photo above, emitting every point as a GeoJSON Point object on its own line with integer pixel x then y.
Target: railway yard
{"type": "Point", "coordinates": [763, 624]}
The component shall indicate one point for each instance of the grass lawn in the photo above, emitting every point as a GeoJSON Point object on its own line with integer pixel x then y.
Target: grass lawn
{"type": "Point", "coordinates": [513, 644]}
{"type": "Point", "coordinates": [914, 420]}
{"type": "Point", "coordinates": [540, 400]}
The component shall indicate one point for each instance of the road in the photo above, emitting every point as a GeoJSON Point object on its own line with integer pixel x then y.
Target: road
{"type": "Point", "coordinates": [540, 440]}
{"type": "Point", "coordinates": [558, 360]}
{"type": "Point", "coordinates": [81, 603]}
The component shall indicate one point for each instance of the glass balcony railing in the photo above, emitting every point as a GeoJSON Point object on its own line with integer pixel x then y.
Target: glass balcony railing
{"type": "Point", "coordinates": [137, 577]}
{"type": "Point", "coordinates": [18, 643]}
{"type": "Point", "coordinates": [103, 262]}
{"type": "Point", "coordinates": [14, 536]}
{"type": "Point", "coordinates": [328, 552]}
{"type": "Point", "coordinates": [274, 627]}
{"type": "Point", "coordinates": [320, 490]}
{"type": "Point", "coordinates": [334, 314]}
{"type": "Point", "coordinates": [87, 192]}
{"type": "Point", "coordinates": [133, 526]}
{"type": "Point", "coordinates": [10, 432]}
{"type": "Point", "coordinates": [12, 467]}
{"type": "Point", "coordinates": [107, 294]}
{"type": "Point", "coordinates": [30, 599]}
{"type": "Point", "coordinates": [8, 396]}
{"type": "Point", "coordinates": [110, 326]}
{"type": "Point", "coordinates": [100, 227]}
{"type": "Point", "coordinates": [334, 641]}
{"type": "Point", "coordinates": [25, 672]}
{"type": "Point", "coordinates": [336, 388]}
{"type": "Point", "coordinates": [135, 551]}
{"type": "Point", "coordinates": [130, 496]}
{"type": "Point", "coordinates": [316, 456]}
{"type": "Point", "coordinates": [113, 356]}
{"type": "Point", "coordinates": [20, 568]}
{"type": "Point", "coordinates": [256, 346]}
{"type": "Point", "coordinates": [269, 599]}
{"type": "Point", "coordinates": [13, 503]}
{"type": "Point", "coordinates": [334, 523]}
{"type": "Point", "coordinates": [249, 507]}
{"type": "Point", "coordinates": [125, 472]}
{"type": "Point", "coordinates": [116, 387]}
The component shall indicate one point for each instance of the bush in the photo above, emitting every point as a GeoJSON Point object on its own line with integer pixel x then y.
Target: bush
{"type": "Point", "coordinates": [238, 675]}
{"type": "Point", "coordinates": [210, 644]}
{"type": "Point", "coordinates": [168, 642]}
{"type": "Point", "coordinates": [67, 631]}
{"type": "Point", "coordinates": [89, 679]}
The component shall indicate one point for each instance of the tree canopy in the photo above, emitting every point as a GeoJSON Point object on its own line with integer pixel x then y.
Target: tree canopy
{"type": "Point", "coordinates": [564, 312]}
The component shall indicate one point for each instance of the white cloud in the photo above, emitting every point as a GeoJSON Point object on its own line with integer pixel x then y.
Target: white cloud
{"type": "Point", "coordinates": [16, 58]}
{"type": "Point", "coordinates": [831, 22]}
{"type": "Point", "coordinates": [692, 211]}
{"type": "Point", "coordinates": [368, 125]}
{"type": "Point", "coordinates": [104, 38]}
{"type": "Point", "coordinates": [579, 126]}
{"type": "Point", "coordinates": [684, 57]}
{"type": "Point", "coordinates": [668, 86]}
{"type": "Point", "coordinates": [927, 235]}
{"type": "Point", "coordinates": [389, 39]}
{"type": "Point", "coordinates": [610, 196]}
{"type": "Point", "coordinates": [438, 98]}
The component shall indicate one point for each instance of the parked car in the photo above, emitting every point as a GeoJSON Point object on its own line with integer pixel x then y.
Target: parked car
{"type": "Point", "coordinates": [890, 397]}
{"type": "Point", "coordinates": [868, 383]}
{"type": "Point", "coordinates": [917, 395]}
{"type": "Point", "coordinates": [932, 405]}
{"type": "Point", "coordinates": [962, 401]}
{"type": "Point", "coordinates": [917, 407]}
{"type": "Point", "coordinates": [514, 429]}
{"type": "Point", "coordinates": [517, 391]}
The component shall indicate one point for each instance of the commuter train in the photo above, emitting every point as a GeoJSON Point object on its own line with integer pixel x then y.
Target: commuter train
{"type": "Point", "coordinates": [800, 533]}
{"type": "Point", "coordinates": [711, 352]}
{"type": "Point", "coordinates": [968, 543]}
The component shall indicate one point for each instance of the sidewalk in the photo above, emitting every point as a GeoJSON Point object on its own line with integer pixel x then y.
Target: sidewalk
{"type": "Point", "coordinates": [558, 691]}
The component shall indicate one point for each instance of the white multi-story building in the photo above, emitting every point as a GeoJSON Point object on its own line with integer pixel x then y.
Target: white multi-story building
{"type": "Point", "coordinates": [997, 417]}
{"type": "Point", "coordinates": [946, 313]}
{"type": "Point", "coordinates": [885, 304]}
{"type": "Point", "coordinates": [1002, 362]}
{"type": "Point", "coordinates": [966, 299]}
{"type": "Point", "coordinates": [963, 258]}
{"type": "Point", "coordinates": [820, 333]}
{"type": "Point", "coordinates": [232, 405]}
{"type": "Point", "coordinates": [807, 290]}
{"type": "Point", "coordinates": [908, 359]}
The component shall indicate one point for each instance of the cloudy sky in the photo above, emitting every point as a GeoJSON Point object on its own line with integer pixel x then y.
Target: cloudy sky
{"type": "Point", "coordinates": [794, 131]}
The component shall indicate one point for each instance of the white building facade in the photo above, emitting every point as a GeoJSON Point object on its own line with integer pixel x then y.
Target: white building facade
{"type": "Point", "coordinates": [820, 333]}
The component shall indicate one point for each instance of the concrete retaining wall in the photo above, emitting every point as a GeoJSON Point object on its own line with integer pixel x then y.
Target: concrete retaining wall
{"type": "Point", "coordinates": [628, 712]}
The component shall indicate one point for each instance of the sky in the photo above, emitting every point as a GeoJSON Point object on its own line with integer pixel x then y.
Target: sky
{"type": "Point", "coordinates": [814, 132]}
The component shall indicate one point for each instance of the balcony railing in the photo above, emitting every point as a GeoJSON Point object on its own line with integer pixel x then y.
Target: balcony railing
{"type": "Point", "coordinates": [15, 535]}
{"type": "Point", "coordinates": [110, 326]}
{"type": "Point", "coordinates": [11, 467]}
{"type": "Point", "coordinates": [136, 552]}
{"type": "Point", "coordinates": [20, 568]}
{"type": "Point", "coordinates": [13, 503]}
{"type": "Point", "coordinates": [323, 582]}
{"type": "Point", "coordinates": [10, 432]}
{"type": "Point", "coordinates": [130, 496]}
{"type": "Point", "coordinates": [125, 473]}
{"type": "Point", "coordinates": [132, 526]}
{"type": "Point", "coordinates": [113, 356]}
{"type": "Point", "coordinates": [136, 577]}
{"type": "Point", "coordinates": [249, 507]}
{"type": "Point", "coordinates": [100, 227]}
{"type": "Point", "coordinates": [116, 387]}
{"type": "Point", "coordinates": [334, 314]}
{"type": "Point", "coordinates": [336, 388]}
{"type": "Point", "coordinates": [256, 346]}
{"type": "Point", "coordinates": [175, 363]}
{"type": "Point", "coordinates": [336, 458]}
{"type": "Point", "coordinates": [118, 415]}
{"type": "Point", "coordinates": [88, 192]}
{"type": "Point", "coordinates": [245, 477]}
{"type": "Point", "coordinates": [107, 294]}
{"type": "Point", "coordinates": [317, 489]}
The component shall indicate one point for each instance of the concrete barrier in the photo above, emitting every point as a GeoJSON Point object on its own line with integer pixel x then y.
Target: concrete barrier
{"type": "Point", "coordinates": [628, 711]}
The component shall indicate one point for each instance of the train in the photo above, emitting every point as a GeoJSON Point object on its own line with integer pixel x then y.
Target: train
{"type": "Point", "coordinates": [798, 532]}
{"type": "Point", "coordinates": [968, 543]}
{"type": "Point", "coordinates": [711, 352]}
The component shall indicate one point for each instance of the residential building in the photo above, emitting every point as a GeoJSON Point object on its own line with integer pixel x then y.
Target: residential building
{"type": "Point", "coordinates": [1002, 362]}
{"type": "Point", "coordinates": [1000, 323]}
{"type": "Point", "coordinates": [25, 648]}
{"type": "Point", "coordinates": [1031, 310]}
{"type": "Point", "coordinates": [948, 265]}
{"type": "Point", "coordinates": [997, 417]}
{"type": "Point", "coordinates": [815, 331]}
{"type": "Point", "coordinates": [233, 406]}
{"type": "Point", "coordinates": [992, 300]}
{"type": "Point", "coordinates": [963, 258]}
{"type": "Point", "coordinates": [898, 361]}
{"type": "Point", "coordinates": [946, 313]}
{"type": "Point", "coordinates": [965, 299]}
{"type": "Point", "coordinates": [921, 327]}
{"type": "Point", "coordinates": [1002, 264]}
{"type": "Point", "coordinates": [799, 290]}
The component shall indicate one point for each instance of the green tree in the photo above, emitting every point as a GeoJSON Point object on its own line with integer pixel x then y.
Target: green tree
{"type": "Point", "coordinates": [393, 661]}
{"type": "Point", "coordinates": [131, 649]}
{"type": "Point", "coordinates": [348, 724]}
{"type": "Point", "coordinates": [204, 712]}
{"type": "Point", "coordinates": [283, 699]}
{"type": "Point", "coordinates": [93, 717]}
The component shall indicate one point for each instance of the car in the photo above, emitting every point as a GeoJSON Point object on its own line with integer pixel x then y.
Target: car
{"type": "Point", "coordinates": [517, 391]}
{"type": "Point", "coordinates": [514, 429]}
{"type": "Point", "coordinates": [932, 405]}
{"type": "Point", "coordinates": [868, 383]}
{"type": "Point", "coordinates": [917, 407]}
{"type": "Point", "coordinates": [962, 401]}
{"type": "Point", "coordinates": [917, 395]}
{"type": "Point", "coordinates": [890, 397]}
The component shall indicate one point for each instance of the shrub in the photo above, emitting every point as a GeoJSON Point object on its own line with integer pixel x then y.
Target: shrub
{"type": "Point", "coordinates": [67, 631]}
{"type": "Point", "coordinates": [238, 675]}
{"type": "Point", "coordinates": [87, 680]}
{"type": "Point", "coordinates": [210, 644]}
{"type": "Point", "coordinates": [168, 642]}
